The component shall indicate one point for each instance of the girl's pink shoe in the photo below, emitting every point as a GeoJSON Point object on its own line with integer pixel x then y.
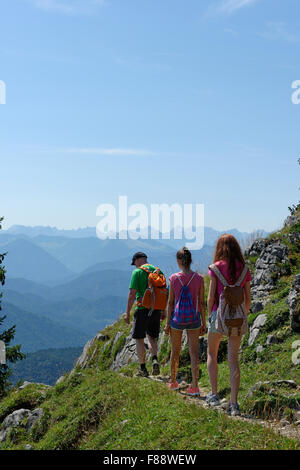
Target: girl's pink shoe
{"type": "Point", "coordinates": [193, 391]}
{"type": "Point", "coordinates": [173, 386]}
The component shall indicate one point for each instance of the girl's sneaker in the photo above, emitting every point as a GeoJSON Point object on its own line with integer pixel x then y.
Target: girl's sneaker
{"type": "Point", "coordinates": [142, 373]}
{"type": "Point", "coordinates": [173, 386]}
{"type": "Point", "coordinates": [233, 409]}
{"type": "Point", "coordinates": [193, 391]}
{"type": "Point", "coordinates": [213, 400]}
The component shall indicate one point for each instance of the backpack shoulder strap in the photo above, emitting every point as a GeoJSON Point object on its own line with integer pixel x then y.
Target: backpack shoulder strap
{"type": "Point", "coordinates": [219, 275]}
{"type": "Point", "coordinates": [242, 276]}
{"type": "Point", "coordinates": [191, 279]}
{"type": "Point", "coordinates": [178, 277]}
{"type": "Point", "coordinates": [144, 268]}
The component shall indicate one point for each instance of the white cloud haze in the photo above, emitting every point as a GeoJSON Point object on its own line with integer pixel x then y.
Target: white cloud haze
{"type": "Point", "coordinates": [112, 151]}
{"type": "Point", "coordinates": [227, 7]}
{"type": "Point", "coordinates": [69, 7]}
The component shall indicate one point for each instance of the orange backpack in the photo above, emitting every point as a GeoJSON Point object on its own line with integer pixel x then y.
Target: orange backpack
{"type": "Point", "coordinates": [156, 294]}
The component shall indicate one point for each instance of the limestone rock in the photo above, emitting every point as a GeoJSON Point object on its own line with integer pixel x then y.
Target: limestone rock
{"type": "Point", "coordinates": [258, 386]}
{"type": "Point", "coordinates": [33, 417]}
{"type": "Point", "coordinates": [294, 304]}
{"type": "Point", "coordinates": [256, 327]}
{"type": "Point", "coordinates": [60, 379]}
{"type": "Point", "coordinates": [257, 306]}
{"type": "Point", "coordinates": [291, 220]}
{"type": "Point", "coordinates": [84, 358]}
{"type": "Point", "coordinates": [260, 321]}
{"type": "Point", "coordinates": [127, 355]}
{"type": "Point", "coordinates": [17, 418]}
{"type": "Point", "coordinates": [254, 332]}
{"type": "Point", "coordinates": [25, 384]}
{"type": "Point", "coordinates": [28, 447]}
{"type": "Point", "coordinates": [272, 263]}
{"type": "Point", "coordinates": [257, 247]}
{"type": "Point", "coordinates": [289, 383]}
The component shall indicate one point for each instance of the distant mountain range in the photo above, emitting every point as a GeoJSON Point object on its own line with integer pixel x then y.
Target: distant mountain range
{"type": "Point", "coordinates": [27, 260]}
{"type": "Point", "coordinates": [59, 255]}
{"type": "Point", "coordinates": [85, 304]}
{"type": "Point", "coordinates": [35, 332]}
{"type": "Point", "coordinates": [63, 286]}
{"type": "Point", "coordinates": [210, 234]}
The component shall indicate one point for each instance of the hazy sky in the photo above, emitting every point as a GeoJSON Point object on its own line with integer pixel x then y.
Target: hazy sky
{"type": "Point", "coordinates": [164, 101]}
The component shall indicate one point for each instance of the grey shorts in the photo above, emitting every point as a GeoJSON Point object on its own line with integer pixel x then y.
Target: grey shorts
{"type": "Point", "coordinates": [212, 322]}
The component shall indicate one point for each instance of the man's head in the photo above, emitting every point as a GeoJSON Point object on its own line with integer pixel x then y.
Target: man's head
{"type": "Point", "coordinates": [139, 259]}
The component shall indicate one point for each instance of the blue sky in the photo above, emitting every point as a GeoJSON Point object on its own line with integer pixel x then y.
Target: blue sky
{"type": "Point", "coordinates": [163, 101]}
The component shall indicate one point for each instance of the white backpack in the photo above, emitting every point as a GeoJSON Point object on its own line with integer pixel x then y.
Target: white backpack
{"type": "Point", "coordinates": [232, 319]}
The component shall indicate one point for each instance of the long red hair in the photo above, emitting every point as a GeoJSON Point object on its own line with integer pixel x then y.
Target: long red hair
{"type": "Point", "coordinates": [228, 249]}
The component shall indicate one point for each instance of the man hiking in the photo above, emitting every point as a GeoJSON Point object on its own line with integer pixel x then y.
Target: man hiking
{"type": "Point", "coordinates": [146, 320]}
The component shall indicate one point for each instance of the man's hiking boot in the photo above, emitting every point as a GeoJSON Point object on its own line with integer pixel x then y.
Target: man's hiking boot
{"type": "Point", "coordinates": [155, 367]}
{"type": "Point", "coordinates": [213, 400]}
{"type": "Point", "coordinates": [233, 409]}
{"type": "Point", "coordinates": [142, 373]}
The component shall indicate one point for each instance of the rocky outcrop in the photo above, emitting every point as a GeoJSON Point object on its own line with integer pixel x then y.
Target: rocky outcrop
{"type": "Point", "coordinates": [291, 220]}
{"type": "Point", "coordinates": [257, 247]}
{"type": "Point", "coordinates": [259, 322]}
{"type": "Point", "coordinates": [22, 417]}
{"type": "Point", "coordinates": [293, 301]}
{"type": "Point", "coordinates": [127, 355]}
{"type": "Point", "coordinates": [272, 263]}
{"type": "Point", "coordinates": [265, 386]}
{"type": "Point", "coordinates": [85, 356]}
{"type": "Point", "coordinates": [25, 384]}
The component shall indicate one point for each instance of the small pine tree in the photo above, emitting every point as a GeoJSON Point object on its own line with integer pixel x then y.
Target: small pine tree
{"type": "Point", "coordinates": [13, 353]}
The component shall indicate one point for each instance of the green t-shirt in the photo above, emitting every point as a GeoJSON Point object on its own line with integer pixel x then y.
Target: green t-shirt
{"type": "Point", "coordinates": [139, 281]}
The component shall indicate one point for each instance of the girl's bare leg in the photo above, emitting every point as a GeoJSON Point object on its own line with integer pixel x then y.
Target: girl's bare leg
{"type": "Point", "coordinates": [193, 342]}
{"type": "Point", "coordinates": [234, 343]}
{"type": "Point", "coordinates": [176, 336]}
{"type": "Point", "coordinates": [214, 340]}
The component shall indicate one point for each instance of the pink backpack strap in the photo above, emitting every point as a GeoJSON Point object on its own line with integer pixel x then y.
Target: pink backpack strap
{"type": "Point", "coordinates": [219, 275]}
{"type": "Point", "coordinates": [242, 276]}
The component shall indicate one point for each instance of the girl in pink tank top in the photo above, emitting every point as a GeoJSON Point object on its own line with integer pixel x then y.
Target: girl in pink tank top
{"type": "Point", "coordinates": [194, 281]}
{"type": "Point", "coordinates": [230, 261]}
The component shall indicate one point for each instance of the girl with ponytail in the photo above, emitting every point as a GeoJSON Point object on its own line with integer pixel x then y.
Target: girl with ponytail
{"type": "Point", "coordinates": [186, 311]}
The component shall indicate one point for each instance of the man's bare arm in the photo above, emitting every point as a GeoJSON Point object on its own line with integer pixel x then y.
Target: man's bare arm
{"type": "Point", "coordinates": [211, 295]}
{"type": "Point", "coordinates": [130, 302]}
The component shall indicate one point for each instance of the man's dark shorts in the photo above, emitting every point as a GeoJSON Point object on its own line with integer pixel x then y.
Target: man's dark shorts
{"type": "Point", "coordinates": [146, 324]}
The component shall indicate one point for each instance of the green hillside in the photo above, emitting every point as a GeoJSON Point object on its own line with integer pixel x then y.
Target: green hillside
{"type": "Point", "coordinates": [101, 405]}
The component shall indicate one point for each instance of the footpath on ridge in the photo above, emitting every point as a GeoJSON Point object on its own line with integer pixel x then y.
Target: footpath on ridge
{"type": "Point", "coordinates": [290, 431]}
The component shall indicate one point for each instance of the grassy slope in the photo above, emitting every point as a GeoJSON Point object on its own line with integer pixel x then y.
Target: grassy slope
{"type": "Point", "coordinates": [100, 409]}
{"type": "Point", "coordinates": [103, 410]}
